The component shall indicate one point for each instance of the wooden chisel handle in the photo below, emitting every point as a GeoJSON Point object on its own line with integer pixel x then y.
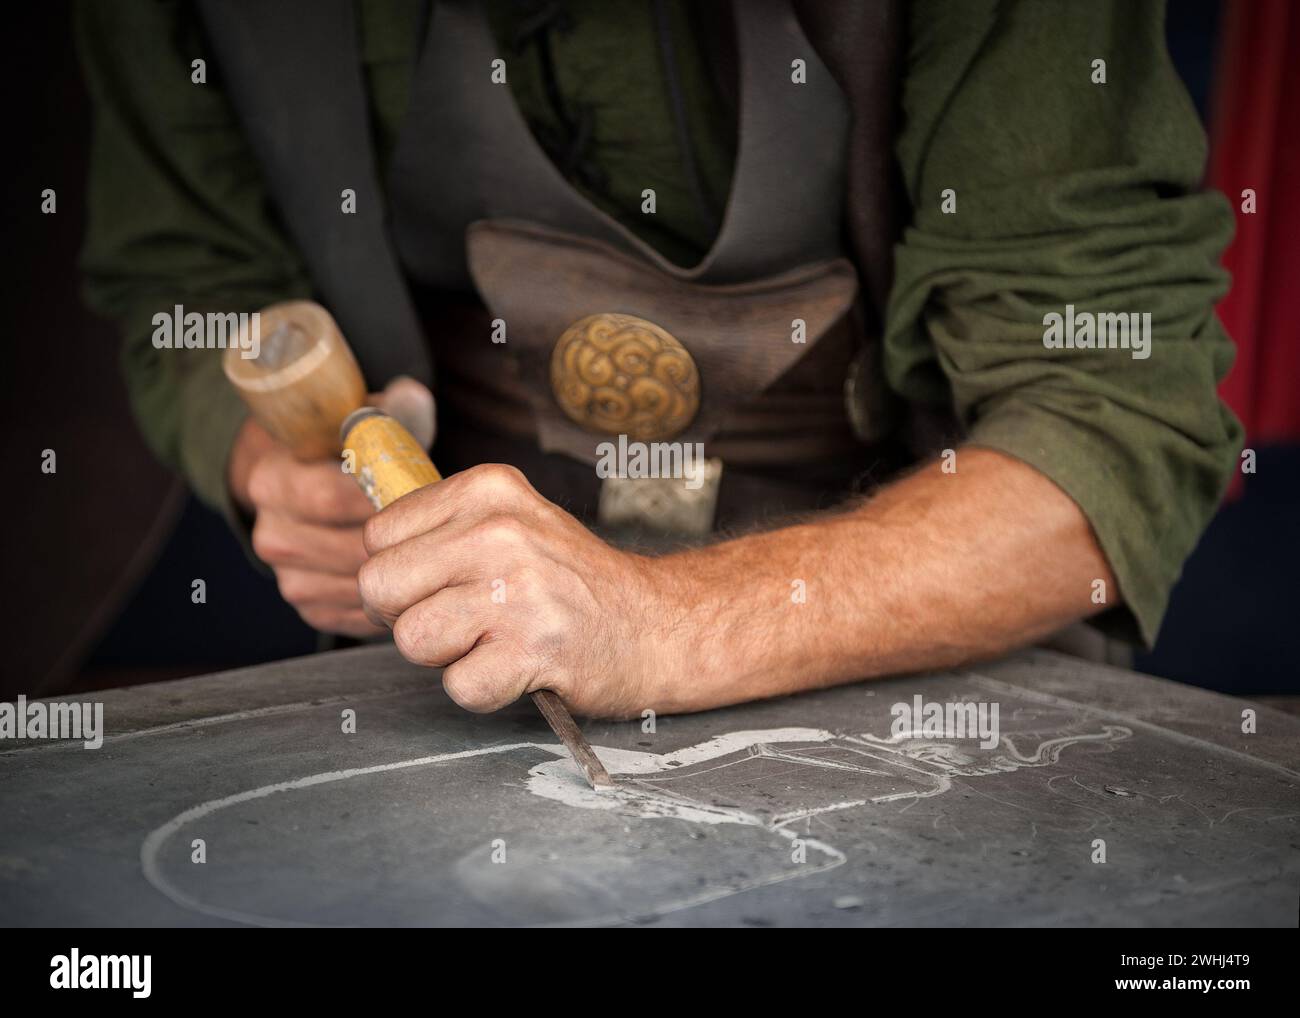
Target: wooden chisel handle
{"type": "Point", "coordinates": [384, 457]}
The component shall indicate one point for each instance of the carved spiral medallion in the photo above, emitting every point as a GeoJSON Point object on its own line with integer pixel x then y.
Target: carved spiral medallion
{"type": "Point", "coordinates": [623, 375]}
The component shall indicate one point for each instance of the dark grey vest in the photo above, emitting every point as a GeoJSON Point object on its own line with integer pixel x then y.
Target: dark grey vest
{"type": "Point", "coordinates": [466, 154]}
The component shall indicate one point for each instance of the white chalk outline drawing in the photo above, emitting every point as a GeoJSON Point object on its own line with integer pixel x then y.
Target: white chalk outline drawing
{"type": "Point", "coordinates": [934, 763]}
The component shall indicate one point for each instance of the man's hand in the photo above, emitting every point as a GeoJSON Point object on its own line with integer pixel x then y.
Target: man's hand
{"type": "Point", "coordinates": [481, 574]}
{"type": "Point", "coordinates": [308, 516]}
{"type": "Point", "coordinates": [306, 527]}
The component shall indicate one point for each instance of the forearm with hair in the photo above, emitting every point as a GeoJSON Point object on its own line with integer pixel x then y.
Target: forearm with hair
{"type": "Point", "coordinates": [937, 569]}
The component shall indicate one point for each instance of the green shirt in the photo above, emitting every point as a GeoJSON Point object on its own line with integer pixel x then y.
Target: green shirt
{"type": "Point", "coordinates": [1067, 191]}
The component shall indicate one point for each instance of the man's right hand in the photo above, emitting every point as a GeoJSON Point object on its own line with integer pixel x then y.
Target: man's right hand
{"type": "Point", "coordinates": [307, 528]}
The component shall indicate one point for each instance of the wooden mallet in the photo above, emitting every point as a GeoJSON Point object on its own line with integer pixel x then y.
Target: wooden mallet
{"type": "Point", "coordinates": [306, 389]}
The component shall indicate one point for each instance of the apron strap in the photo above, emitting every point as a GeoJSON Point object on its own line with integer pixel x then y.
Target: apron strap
{"type": "Point", "coordinates": [292, 71]}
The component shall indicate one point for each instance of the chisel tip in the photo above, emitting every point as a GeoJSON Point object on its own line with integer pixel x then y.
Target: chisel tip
{"type": "Point", "coordinates": [562, 724]}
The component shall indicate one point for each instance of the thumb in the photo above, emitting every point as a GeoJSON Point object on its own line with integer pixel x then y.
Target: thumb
{"type": "Point", "coordinates": [411, 403]}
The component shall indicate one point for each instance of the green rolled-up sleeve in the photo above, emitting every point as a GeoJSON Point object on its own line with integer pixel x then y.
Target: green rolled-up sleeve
{"type": "Point", "coordinates": [177, 214]}
{"type": "Point", "coordinates": [1068, 191]}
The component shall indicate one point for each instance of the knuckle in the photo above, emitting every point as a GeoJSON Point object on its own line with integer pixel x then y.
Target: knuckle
{"type": "Point", "coordinates": [373, 534]}
{"type": "Point", "coordinates": [368, 579]}
{"type": "Point", "coordinates": [317, 618]}
{"type": "Point", "coordinates": [328, 501]}
{"type": "Point", "coordinates": [498, 480]}
{"type": "Point", "coordinates": [259, 485]}
{"type": "Point", "coordinates": [408, 635]}
{"type": "Point", "coordinates": [527, 582]}
{"type": "Point", "coordinates": [469, 691]}
{"type": "Point", "coordinates": [502, 531]}
{"type": "Point", "coordinates": [260, 541]}
{"type": "Point", "coordinates": [267, 542]}
{"type": "Point", "coordinates": [333, 500]}
{"type": "Point", "coordinates": [546, 635]}
{"type": "Point", "coordinates": [372, 582]}
{"type": "Point", "coordinates": [298, 498]}
{"type": "Point", "coordinates": [292, 587]}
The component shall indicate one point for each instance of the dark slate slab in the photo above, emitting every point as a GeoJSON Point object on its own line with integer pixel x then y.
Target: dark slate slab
{"type": "Point", "coordinates": [801, 811]}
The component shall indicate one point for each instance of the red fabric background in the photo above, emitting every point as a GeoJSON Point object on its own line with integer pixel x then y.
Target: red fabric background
{"type": "Point", "coordinates": [1256, 144]}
